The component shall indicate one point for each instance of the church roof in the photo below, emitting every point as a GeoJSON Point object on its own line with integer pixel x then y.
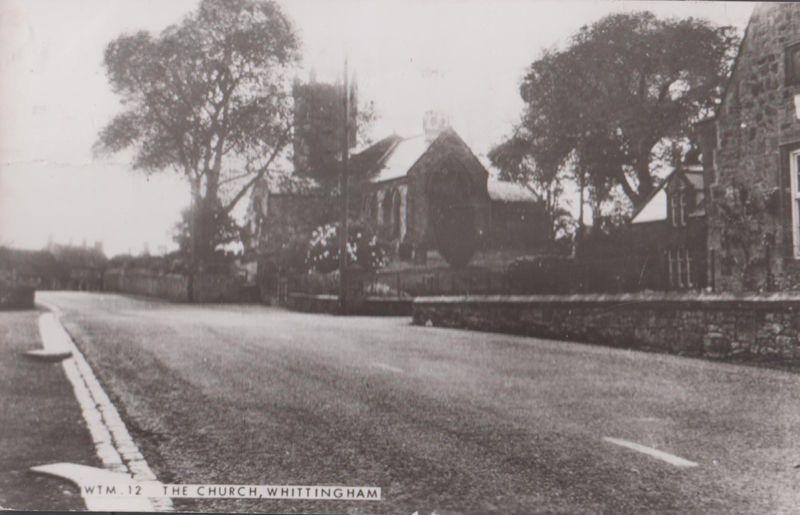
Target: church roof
{"type": "Point", "coordinates": [394, 156]}
{"type": "Point", "coordinates": [390, 158]}
{"type": "Point", "coordinates": [505, 191]}
{"type": "Point", "coordinates": [399, 158]}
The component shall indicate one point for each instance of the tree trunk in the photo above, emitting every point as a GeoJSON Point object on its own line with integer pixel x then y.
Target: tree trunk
{"type": "Point", "coordinates": [582, 200]}
{"type": "Point", "coordinates": [205, 229]}
{"type": "Point", "coordinates": [193, 240]}
{"type": "Point", "coordinates": [644, 177]}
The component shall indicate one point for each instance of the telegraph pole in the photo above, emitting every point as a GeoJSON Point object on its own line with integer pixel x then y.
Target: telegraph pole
{"type": "Point", "coordinates": [343, 192]}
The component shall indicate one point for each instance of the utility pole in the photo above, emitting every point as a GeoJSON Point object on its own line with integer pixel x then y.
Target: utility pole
{"type": "Point", "coordinates": [343, 192]}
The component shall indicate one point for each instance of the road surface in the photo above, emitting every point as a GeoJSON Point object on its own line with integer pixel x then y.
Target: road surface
{"type": "Point", "coordinates": [440, 419]}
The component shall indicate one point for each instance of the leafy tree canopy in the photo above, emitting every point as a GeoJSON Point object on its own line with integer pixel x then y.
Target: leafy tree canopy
{"type": "Point", "coordinates": [208, 98]}
{"type": "Point", "coordinates": [622, 86]}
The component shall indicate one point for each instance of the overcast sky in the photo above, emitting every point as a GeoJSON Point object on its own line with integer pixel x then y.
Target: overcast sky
{"type": "Point", "coordinates": [464, 57]}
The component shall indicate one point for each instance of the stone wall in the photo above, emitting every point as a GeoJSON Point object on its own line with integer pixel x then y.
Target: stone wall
{"type": "Point", "coordinates": [756, 127]}
{"type": "Point", "coordinates": [753, 326]}
{"type": "Point", "coordinates": [175, 287]}
{"type": "Point", "coordinates": [172, 287]}
{"type": "Point", "coordinates": [369, 306]}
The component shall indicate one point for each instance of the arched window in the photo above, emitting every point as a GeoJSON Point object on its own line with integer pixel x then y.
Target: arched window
{"type": "Point", "coordinates": [396, 214]}
{"type": "Point", "coordinates": [387, 208]}
{"type": "Point", "coordinates": [371, 207]}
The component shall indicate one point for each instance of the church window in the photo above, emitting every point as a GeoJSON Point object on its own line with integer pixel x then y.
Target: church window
{"type": "Point", "coordinates": [396, 215]}
{"type": "Point", "coordinates": [387, 208]}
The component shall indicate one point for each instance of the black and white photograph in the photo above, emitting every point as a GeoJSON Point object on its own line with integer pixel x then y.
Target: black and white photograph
{"type": "Point", "coordinates": [400, 256]}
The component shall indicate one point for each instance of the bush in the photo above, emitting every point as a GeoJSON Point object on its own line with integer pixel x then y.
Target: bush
{"type": "Point", "coordinates": [543, 274]}
{"type": "Point", "coordinates": [405, 250]}
{"type": "Point", "coordinates": [456, 236]}
{"type": "Point", "coordinates": [363, 249]}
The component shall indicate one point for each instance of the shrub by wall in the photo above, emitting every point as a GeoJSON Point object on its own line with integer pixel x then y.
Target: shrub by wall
{"type": "Point", "coordinates": [16, 297]}
{"type": "Point", "coordinates": [690, 324]}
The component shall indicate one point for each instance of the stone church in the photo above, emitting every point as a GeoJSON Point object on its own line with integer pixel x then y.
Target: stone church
{"type": "Point", "coordinates": [401, 187]}
{"type": "Point", "coordinates": [412, 182]}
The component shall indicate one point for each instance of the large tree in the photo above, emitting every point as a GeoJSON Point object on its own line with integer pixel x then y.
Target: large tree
{"type": "Point", "coordinates": [208, 98]}
{"type": "Point", "coordinates": [621, 87]}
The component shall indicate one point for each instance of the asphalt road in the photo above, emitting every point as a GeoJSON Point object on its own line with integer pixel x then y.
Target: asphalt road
{"type": "Point", "coordinates": [439, 419]}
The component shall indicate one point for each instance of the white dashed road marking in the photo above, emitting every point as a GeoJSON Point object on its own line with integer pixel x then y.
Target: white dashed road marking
{"type": "Point", "coordinates": [655, 453]}
{"type": "Point", "coordinates": [389, 368]}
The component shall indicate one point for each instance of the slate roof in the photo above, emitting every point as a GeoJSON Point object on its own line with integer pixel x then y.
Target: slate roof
{"type": "Point", "coordinates": [655, 209]}
{"type": "Point", "coordinates": [400, 158]}
{"type": "Point", "coordinates": [390, 158]}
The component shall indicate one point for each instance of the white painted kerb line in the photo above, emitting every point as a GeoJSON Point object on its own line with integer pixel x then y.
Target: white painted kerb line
{"type": "Point", "coordinates": [113, 443]}
{"type": "Point", "coordinates": [655, 453]}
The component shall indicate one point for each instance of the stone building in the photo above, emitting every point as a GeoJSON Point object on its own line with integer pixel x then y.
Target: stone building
{"type": "Point", "coordinates": [669, 232]}
{"type": "Point", "coordinates": [752, 159]}
{"type": "Point", "coordinates": [281, 215]}
{"type": "Point", "coordinates": [409, 183]}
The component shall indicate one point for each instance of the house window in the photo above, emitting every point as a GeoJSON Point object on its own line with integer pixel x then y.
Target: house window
{"type": "Point", "coordinates": [673, 209]}
{"type": "Point", "coordinates": [671, 268]}
{"type": "Point", "coordinates": [679, 263]}
{"type": "Point", "coordinates": [677, 204]}
{"type": "Point", "coordinates": [793, 65]}
{"type": "Point", "coordinates": [794, 170]}
{"type": "Point", "coordinates": [682, 205]}
{"type": "Point", "coordinates": [676, 269]}
{"type": "Point", "coordinates": [687, 260]}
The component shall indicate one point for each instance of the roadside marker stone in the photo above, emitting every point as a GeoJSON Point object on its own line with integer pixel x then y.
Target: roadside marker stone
{"type": "Point", "coordinates": [55, 347]}
{"type": "Point", "coordinates": [47, 356]}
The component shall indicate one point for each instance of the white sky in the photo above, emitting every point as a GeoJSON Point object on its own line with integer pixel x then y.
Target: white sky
{"type": "Point", "coordinates": [464, 57]}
